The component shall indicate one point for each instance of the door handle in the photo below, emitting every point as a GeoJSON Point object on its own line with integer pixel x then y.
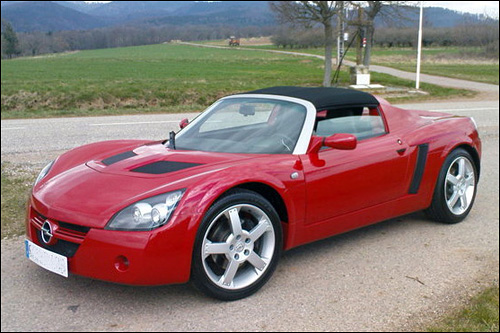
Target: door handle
{"type": "Point", "coordinates": [401, 151]}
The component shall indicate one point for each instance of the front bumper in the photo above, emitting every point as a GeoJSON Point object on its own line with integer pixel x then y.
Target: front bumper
{"type": "Point", "coordinates": [157, 257]}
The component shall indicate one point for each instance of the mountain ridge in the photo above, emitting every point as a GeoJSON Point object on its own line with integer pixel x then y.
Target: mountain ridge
{"type": "Point", "coordinates": [45, 16]}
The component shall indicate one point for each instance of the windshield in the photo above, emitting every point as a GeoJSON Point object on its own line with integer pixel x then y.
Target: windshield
{"type": "Point", "coordinates": [245, 125]}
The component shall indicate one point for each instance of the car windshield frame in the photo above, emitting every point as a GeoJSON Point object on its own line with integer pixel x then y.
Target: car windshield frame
{"type": "Point", "coordinates": [303, 139]}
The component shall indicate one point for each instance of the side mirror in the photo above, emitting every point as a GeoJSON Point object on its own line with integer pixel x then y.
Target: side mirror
{"type": "Point", "coordinates": [183, 123]}
{"type": "Point", "coordinates": [341, 141]}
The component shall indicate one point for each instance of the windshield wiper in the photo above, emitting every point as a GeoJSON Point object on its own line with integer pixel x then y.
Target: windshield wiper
{"type": "Point", "coordinates": [171, 140]}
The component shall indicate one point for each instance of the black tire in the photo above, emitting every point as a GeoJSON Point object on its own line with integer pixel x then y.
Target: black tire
{"type": "Point", "coordinates": [442, 209]}
{"type": "Point", "coordinates": [249, 255]}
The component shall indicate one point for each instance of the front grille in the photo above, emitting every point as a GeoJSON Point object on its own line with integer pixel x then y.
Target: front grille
{"type": "Point", "coordinates": [62, 247]}
{"type": "Point", "coordinates": [69, 236]}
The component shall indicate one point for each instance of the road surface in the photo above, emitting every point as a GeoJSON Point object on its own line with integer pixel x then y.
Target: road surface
{"type": "Point", "coordinates": [391, 276]}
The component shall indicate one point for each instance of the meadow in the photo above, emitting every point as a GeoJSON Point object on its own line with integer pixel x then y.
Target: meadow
{"type": "Point", "coordinates": [155, 78]}
{"type": "Point", "coordinates": [454, 62]}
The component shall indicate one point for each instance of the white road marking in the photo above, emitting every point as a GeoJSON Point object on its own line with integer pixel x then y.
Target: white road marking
{"type": "Point", "coordinates": [472, 109]}
{"type": "Point", "coordinates": [12, 128]}
{"type": "Point", "coordinates": [135, 123]}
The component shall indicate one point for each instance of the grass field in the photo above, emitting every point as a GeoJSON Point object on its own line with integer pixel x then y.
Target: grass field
{"type": "Point", "coordinates": [141, 79]}
{"type": "Point", "coordinates": [449, 62]}
{"type": "Point", "coordinates": [156, 78]}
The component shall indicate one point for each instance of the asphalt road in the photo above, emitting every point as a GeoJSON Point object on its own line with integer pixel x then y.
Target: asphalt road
{"type": "Point", "coordinates": [391, 276]}
{"type": "Point", "coordinates": [40, 140]}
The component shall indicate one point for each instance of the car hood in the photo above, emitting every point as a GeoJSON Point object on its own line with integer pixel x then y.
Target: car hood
{"type": "Point", "coordinates": [154, 160]}
{"type": "Point", "coordinates": [90, 192]}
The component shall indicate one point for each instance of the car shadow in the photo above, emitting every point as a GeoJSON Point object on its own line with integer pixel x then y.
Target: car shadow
{"type": "Point", "coordinates": [85, 289]}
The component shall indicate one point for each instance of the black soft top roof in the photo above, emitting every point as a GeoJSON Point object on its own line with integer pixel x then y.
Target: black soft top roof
{"type": "Point", "coordinates": [322, 97]}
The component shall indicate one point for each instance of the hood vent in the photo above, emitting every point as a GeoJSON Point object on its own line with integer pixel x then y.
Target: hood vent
{"type": "Point", "coordinates": [118, 158]}
{"type": "Point", "coordinates": [161, 167]}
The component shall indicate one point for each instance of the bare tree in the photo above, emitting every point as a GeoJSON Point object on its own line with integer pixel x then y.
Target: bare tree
{"type": "Point", "coordinates": [371, 10]}
{"type": "Point", "coordinates": [310, 13]}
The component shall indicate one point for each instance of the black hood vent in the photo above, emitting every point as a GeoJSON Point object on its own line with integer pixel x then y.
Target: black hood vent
{"type": "Point", "coordinates": [161, 167]}
{"type": "Point", "coordinates": [118, 158]}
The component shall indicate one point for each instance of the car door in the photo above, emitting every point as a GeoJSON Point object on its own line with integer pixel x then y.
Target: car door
{"type": "Point", "coordinates": [340, 182]}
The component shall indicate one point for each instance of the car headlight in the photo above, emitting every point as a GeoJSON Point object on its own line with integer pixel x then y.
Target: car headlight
{"type": "Point", "coordinates": [147, 214]}
{"type": "Point", "coordinates": [44, 172]}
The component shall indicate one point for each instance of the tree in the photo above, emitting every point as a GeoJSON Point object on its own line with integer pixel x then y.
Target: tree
{"type": "Point", "coordinates": [11, 41]}
{"type": "Point", "coordinates": [366, 23]}
{"type": "Point", "coordinates": [310, 13]}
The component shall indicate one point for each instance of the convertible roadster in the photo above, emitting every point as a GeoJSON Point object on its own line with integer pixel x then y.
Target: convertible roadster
{"type": "Point", "coordinates": [254, 175]}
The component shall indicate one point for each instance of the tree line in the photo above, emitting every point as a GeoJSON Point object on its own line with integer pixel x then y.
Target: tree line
{"type": "Point", "coordinates": [484, 36]}
{"type": "Point", "coordinates": [38, 43]}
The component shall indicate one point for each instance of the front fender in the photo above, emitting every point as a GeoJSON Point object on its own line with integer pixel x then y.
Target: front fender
{"type": "Point", "coordinates": [207, 190]}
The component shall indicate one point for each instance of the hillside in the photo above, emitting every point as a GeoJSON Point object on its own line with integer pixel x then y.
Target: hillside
{"type": "Point", "coordinates": [47, 16]}
{"type": "Point", "coordinates": [133, 10]}
{"type": "Point", "coordinates": [79, 15]}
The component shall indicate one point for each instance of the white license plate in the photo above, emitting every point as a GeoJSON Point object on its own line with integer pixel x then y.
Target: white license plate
{"type": "Point", "coordinates": [51, 261]}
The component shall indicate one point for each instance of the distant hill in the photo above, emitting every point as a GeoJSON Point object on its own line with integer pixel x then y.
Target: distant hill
{"type": "Point", "coordinates": [234, 13]}
{"type": "Point", "coordinates": [80, 15]}
{"type": "Point", "coordinates": [444, 18]}
{"type": "Point", "coordinates": [81, 6]}
{"type": "Point", "coordinates": [47, 16]}
{"type": "Point", "coordinates": [435, 17]}
{"type": "Point", "coordinates": [133, 10]}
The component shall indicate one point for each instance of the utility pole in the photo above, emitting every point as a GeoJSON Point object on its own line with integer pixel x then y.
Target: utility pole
{"type": "Point", "coordinates": [419, 52]}
{"type": "Point", "coordinates": [340, 37]}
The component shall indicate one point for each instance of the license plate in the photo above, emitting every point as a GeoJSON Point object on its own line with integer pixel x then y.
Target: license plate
{"type": "Point", "coordinates": [51, 261]}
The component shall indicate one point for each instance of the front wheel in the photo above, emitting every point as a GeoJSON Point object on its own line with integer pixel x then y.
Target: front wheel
{"type": "Point", "coordinates": [237, 246]}
{"type": "Point", "coordinates": [456, 188]}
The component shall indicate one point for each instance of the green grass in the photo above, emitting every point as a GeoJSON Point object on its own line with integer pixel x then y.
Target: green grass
{"type": "Point", "coordinates": [16, 185]}
{"type": "Point", "coordinates": [471, 72]}
{"type": "Point", "coordinates": [449, 62]}
{"type": "Point", "coordinates": [465, 64]}
{"type": "Point", "coordinates": [480, 315]}
{"type": "Point", "coordinates": [156, 78]}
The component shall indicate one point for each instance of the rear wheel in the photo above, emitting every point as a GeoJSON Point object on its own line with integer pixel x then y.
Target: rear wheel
{"type": "Point", "coordinates": [456, 188]}
{"type": "Point", "coordinates": [237, 246]}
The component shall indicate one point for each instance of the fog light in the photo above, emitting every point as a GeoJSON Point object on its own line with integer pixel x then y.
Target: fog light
{"type": "Point", "coordinates": [121, 263]}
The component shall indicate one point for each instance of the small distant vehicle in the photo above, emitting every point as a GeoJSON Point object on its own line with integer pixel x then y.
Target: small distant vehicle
{"type": "Point", "coordinates": [254, 175]}
{"type": "Point", "coordinates": [233, 41]}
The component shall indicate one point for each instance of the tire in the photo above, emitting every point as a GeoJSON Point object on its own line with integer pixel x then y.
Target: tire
{"type": "Point", "coordinates": [237, 246]}
{"type": "Point", "coordinates": [455, 189]}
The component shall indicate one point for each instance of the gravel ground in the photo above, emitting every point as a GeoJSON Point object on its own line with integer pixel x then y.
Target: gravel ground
{"type": "Point", "coordinates": [396, 275]}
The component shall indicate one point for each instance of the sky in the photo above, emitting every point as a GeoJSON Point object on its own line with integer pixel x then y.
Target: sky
{"type": "Point", "coordinates": [489, 8]}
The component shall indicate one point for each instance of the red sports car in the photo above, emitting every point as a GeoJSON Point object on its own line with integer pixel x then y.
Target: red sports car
{"type": "Point", "coordinates": [253, 175]}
